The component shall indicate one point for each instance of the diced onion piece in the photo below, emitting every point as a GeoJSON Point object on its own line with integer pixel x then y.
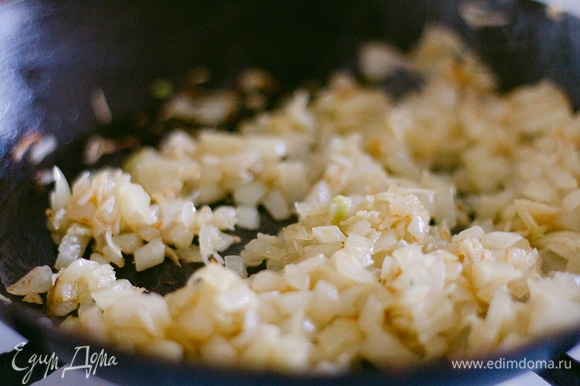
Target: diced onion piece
{"type": "Point", "coordinates": [128, 242]}
{"type": "Point", "coordinates": [61, 195]}
{"type": "Point", "coordinates": [72, 246]}
{"type": "Point", "coordinates": [248, 217]}
{"type": "Point", "coordinates": [38, 280]}
{"type": "Point", "coordinates": [250, 193]}
{"type": "Point", "coordinates": [32, 297]}
{"type": "Point", "coordinates": [149, 255]}
{"type": "Point", "coordinates": [328, 234]}
{"type": "Point", "coordinates": [235, 263]}
{"type": "Point", "coordinates": [276, 205]}
{"type": "Point", "coordinates": [220, 143]}
{"type": "Point", "coordinates": [62, 298]}
{"type": "Point", "coordinates": [270, 148]}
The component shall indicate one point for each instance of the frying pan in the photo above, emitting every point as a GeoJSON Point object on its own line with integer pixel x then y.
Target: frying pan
{"type": "Point", "coordinates": [55, 54]}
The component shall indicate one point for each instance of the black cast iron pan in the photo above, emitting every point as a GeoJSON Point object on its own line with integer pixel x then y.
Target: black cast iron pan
{"type": "Point", "coordinates": [54, 54]}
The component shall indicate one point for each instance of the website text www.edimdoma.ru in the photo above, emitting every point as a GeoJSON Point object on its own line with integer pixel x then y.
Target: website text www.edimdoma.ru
{"type": "Point", "coordinates": [512, 364]}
